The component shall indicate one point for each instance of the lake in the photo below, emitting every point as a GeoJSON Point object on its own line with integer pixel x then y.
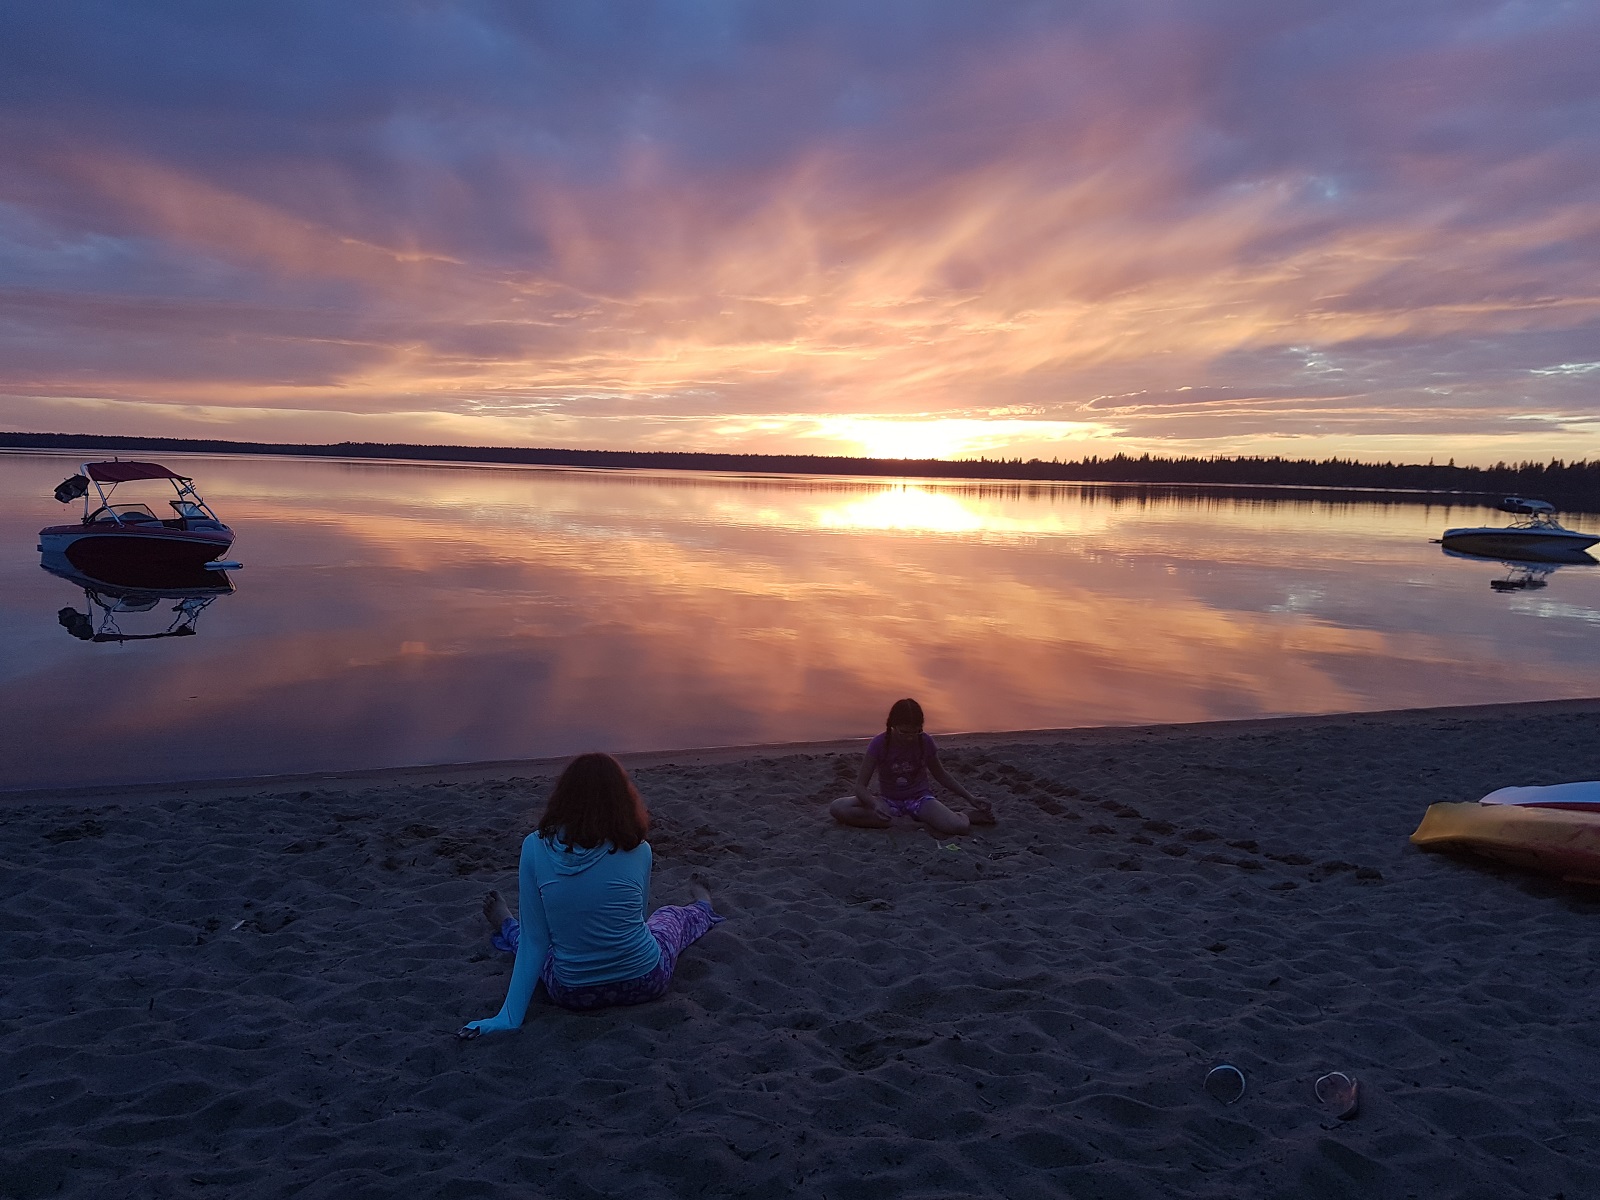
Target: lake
{"type": "Point", "coordinates": [392, 614]}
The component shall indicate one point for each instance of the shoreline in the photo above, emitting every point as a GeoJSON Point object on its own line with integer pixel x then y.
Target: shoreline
{"type": "Point", "coordinates": [477, 772]}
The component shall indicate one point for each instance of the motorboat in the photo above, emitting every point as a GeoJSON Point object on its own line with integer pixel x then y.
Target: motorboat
{"type": "Point", "coordinates": [140, 588]}
{"type": "Point", "coordinates": [116, 537]}
{"type": "Point", "coordinates": [1536, 535]}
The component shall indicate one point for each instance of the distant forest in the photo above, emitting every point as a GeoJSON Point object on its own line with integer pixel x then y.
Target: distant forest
{"type": "Point", "coordinates": [1573, 486]}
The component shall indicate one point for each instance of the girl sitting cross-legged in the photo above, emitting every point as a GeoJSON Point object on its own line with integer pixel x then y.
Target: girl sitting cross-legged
{"type": "Point", "coordinates": [904, 758]}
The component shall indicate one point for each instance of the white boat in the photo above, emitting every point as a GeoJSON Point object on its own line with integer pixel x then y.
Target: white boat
{"type": "Point", "coordinates": [1536, 535]}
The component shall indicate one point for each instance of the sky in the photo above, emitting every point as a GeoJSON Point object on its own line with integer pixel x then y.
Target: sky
{"type": "Point", "coordinates": [899, 228]}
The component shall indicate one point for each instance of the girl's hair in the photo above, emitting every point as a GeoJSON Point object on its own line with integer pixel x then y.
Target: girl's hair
{"type": "Point", "coordinates": [904, 712]}
{"type": "Point", "coordinates": [594, 801]}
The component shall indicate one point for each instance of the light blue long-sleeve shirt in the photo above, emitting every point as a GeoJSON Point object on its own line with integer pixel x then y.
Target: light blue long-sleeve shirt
{"type": "Point", "coordinates": [587, 909]}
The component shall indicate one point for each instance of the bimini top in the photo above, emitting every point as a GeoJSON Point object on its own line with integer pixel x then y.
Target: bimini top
{"type": "Point", "coordinates": [1519, 504]}
{"type": "Point", "coordinates": [123, 472]}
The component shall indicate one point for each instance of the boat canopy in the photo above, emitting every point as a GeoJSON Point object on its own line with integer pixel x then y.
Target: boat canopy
{"type": "Point", "coordinates": [1520, 504]}
{"type": "Point", "coordinates": [123, 472]}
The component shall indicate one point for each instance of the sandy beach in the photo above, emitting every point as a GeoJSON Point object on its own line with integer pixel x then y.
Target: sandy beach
{"type": "Point", "coordinates": [248, 989]}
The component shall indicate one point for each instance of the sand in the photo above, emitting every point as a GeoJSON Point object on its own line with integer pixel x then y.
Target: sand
{"type": "Point", "coordinates": [248, 990]}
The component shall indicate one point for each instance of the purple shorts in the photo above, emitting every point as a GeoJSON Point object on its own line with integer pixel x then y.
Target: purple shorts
{"type": "Point", "coordinates": [674, 928]}
{"type": "Point", "coordinates": [906, 806]}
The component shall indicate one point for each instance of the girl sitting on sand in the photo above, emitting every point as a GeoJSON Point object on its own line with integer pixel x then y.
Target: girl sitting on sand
{"type": "Point", "coordinates": [903, 757]}
{"type": "Point", "coordinates": [582, 886]}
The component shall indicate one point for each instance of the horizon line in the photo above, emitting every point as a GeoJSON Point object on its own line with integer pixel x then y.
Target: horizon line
{"type": "Point", "coordinates": [14, 439]}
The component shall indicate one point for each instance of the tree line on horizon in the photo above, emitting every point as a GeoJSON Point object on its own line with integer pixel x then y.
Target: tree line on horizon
{"type": "Point", "coordinates": [1571, 485]}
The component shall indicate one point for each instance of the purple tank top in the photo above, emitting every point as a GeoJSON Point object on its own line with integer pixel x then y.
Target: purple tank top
{"type": "Point", "coordinates": [902, 770]}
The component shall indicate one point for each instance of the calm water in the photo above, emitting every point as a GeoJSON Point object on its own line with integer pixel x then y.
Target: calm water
{"type": "Point", "coordinates": [394, 614]}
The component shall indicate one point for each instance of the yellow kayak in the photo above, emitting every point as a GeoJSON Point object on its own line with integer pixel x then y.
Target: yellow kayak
{"type": "Point", "coordinates": [1558, 841]}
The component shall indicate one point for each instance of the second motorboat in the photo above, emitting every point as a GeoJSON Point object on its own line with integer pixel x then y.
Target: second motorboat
{"type": "Point", "coordinates": [1536, 535]}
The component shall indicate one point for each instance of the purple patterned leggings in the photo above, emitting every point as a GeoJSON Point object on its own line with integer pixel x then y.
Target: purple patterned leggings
{"type": "Point", "coordinates": [674, 927]}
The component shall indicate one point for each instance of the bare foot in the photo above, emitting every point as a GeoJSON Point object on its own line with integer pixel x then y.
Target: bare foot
{"type": "Point", "coordinates": [495, 911]}
{"type": "Point", "coordinates": [982, 813]}
{"type": "Point", "coordinates": [698, 889]}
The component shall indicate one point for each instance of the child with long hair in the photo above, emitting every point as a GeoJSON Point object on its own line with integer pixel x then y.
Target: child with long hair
{"type": "Point", "coordinates": [583, 883]}
{"type": "Point", "coordinates": [903, 758]}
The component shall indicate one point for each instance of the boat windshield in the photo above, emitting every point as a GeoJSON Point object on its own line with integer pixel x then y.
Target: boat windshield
{"type": "Point", "coordinates": [1537, 520]}
{"type": "Point", "coordinates": [125, 512]}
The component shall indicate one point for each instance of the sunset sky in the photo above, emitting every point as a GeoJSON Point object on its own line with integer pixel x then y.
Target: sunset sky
{"type": "Point", "coordinates": [1300, 227]}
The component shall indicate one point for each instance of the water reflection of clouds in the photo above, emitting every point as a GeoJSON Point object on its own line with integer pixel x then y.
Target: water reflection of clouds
{"type": "Point", "coordinates": [406, 614]}
{"type": "Point", "coordinates": [890, 603]}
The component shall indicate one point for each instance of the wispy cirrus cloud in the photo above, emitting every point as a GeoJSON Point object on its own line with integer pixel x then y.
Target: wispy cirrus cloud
{"type": "Point", "coordinates": [949, 228]}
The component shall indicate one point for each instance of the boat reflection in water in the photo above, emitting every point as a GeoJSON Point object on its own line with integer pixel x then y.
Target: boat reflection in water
{"type": "Point", "coordinates": [1527, 574]}
{"type": "Point", "coordinates": [133, 588]}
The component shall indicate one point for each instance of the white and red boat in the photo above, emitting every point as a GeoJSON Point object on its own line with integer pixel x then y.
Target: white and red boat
{"type": "Point", "coordinates": [117, 537]}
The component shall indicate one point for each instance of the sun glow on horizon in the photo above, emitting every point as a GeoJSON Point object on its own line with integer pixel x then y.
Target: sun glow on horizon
{"type": "Point", "coordinates": [914, 437]}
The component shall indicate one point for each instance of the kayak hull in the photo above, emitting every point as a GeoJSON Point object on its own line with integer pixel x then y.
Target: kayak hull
{"type": "Point", "coordinates": [1557, 841]}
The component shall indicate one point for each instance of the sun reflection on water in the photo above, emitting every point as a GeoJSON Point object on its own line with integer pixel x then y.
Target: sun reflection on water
{"type": "Point", "coordinates": [904, 508]}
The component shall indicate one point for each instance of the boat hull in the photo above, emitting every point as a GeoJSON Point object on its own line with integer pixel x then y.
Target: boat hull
{"type": "Point", "coordinates": [103, 551]}
{"type": "Point", "coordinates": [1556, 841]}
{"type": "Point", "coordinates": [1528, 545]}
{"type": "Point", "coordinates": [176, 583]}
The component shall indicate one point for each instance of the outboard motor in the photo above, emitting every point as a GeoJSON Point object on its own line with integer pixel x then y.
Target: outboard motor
{"type": "Point", "coordinates": [69, 490]}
